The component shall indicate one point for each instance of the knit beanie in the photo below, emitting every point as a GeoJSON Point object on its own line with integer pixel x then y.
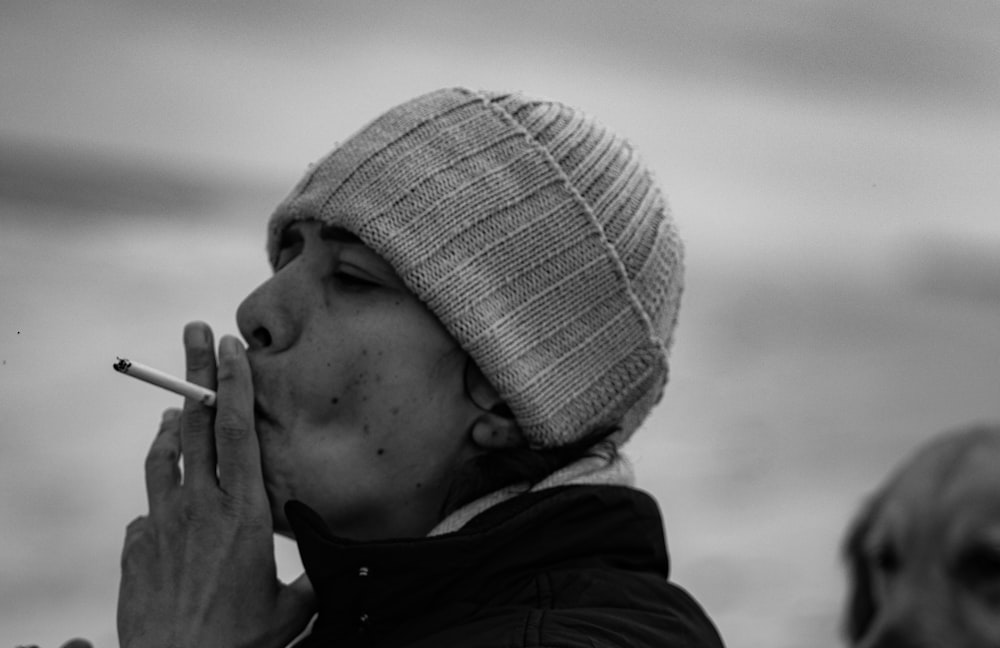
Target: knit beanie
{"type": "Point", "coordinates": [535, 235]}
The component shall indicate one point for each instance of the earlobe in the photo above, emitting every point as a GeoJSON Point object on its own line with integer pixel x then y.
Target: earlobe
{"type": "Point", "coordinates": [495, 431]}
{"type": "Point", "coordinates": [494, 426]}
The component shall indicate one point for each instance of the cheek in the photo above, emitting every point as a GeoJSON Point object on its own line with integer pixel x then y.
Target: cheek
{"type": "Point", "coordinates": [412, 361]}
{"type": "Point", "coordinates": [368, 393]}
{"type": "Point", "coordinates": [332, 385]}
{"type": "Point", "coordinates": [416, 423]}
{"type": "Point", "coordinates": [422, 388]}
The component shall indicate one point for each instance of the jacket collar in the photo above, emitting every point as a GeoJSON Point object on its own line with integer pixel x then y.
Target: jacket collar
{"type": "Point", "coordinates": [595, 469]}
{"type": "Point", "coordinates": [377, 586]}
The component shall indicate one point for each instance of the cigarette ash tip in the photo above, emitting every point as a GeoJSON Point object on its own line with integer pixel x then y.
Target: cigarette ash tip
{"type": "Point", "coordinates": [122, 365]}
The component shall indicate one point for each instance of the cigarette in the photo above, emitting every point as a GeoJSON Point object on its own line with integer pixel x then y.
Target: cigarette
{"type": "Point", "coordinates": [170, 383]}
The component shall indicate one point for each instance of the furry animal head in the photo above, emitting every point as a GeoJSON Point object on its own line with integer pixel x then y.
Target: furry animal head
{"type": "Point", "coordinates": [923, 554]}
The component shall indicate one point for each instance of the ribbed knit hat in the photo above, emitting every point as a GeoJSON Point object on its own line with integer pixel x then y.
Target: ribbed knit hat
{"type": "Point", "coordinates": [535, 235]}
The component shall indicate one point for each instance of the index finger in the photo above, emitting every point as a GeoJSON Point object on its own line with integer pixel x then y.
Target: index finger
{"type": "Point", "coordinates": [236, 444]}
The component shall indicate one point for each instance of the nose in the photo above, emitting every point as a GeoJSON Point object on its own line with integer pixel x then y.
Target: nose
{"type": "Point", "coordinates": [266, 318]}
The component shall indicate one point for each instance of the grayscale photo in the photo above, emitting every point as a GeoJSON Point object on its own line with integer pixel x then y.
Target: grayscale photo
{"type": "Point", "coordinates": [492, 324]}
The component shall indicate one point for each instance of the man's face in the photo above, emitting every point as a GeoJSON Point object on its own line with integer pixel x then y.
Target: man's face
{"type": "Point", "coordinates": [361, 410]}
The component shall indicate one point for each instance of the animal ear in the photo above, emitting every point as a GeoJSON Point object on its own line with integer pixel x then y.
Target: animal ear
{"type": "Point", "coordinates": [860, 609]}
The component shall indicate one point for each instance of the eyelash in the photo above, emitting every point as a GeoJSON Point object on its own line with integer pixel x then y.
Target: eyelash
{"type": "Point", "coordinates": [292, 247]}
{"type": "Point", "coordinates": [352, 281]}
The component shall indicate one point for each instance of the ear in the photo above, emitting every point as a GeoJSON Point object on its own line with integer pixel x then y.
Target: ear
{"type": "Point", "coordinates": [861, 606]}
{"type": "Point", "coordinates": [495, 427]}
{"type": "Point", "coordinates": [495, 432]}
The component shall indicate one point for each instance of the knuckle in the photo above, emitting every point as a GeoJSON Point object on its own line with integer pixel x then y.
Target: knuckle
{"type": "Point", "coordinates": [250, 516]}
{"type": "Point", "coordinates": [231, 429]}
{"type": "Point", "coordinates": [161, 455]}
{"type": "Point", "coordinates": [199, 358]}
{"type": "Point", "coordinates": [196, 418]}
{"type": "Point", "coordinates": [136, 525]}
{"type": "Point", "coordinates": [134, 553]}
{"type": "Point", "coordinates": [136, 542]}
{"type": "Point", "coordinates": [169, 423]}
{"type": "Point", "coordinates": [194, 511]}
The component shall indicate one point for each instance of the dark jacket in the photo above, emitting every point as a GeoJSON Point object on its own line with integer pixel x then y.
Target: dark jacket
{"type": "Point", "coordinates": [563, 567]}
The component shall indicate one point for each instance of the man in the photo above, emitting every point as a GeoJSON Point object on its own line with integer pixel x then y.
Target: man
{"type": "Point", "coordinates": [471, 308]}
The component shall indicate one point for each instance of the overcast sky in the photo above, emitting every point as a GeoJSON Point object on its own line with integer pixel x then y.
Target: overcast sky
{"type": "Point", "coordinates": [886, 109]}
{"type": "Point", "coordinates": [150, 77]}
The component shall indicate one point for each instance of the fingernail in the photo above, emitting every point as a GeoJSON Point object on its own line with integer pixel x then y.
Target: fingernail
{"type": "Point", "coordinates": [229, 346]}
{"type": "Point", "coordinates": [196, 334]}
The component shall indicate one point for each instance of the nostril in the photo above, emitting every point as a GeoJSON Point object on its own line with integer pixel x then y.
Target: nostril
{"type": "Point", "coordinates": [262, 337]}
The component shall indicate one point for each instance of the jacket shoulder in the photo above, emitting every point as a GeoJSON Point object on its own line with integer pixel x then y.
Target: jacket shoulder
{"type": "Point", "coordinates": [610, 609]}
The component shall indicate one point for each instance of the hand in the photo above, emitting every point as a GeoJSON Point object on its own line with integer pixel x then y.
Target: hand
{"type": "Point", "coordinates": [200, 570]}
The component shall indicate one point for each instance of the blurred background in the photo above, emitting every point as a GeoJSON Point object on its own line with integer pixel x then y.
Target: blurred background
{"type": "Point", "coordinates": [832, 165]}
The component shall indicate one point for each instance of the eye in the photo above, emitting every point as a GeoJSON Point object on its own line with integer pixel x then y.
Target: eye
{"type": "Point", "coordinates": [884, 558]}
{"type": "Point", "coordinates": [352, 279]}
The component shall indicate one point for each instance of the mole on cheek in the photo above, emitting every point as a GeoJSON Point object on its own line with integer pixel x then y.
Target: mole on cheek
{"type": "Point", "coordinates": [380, 451]}
{"type": "Point", "coordinates": [334, 400]}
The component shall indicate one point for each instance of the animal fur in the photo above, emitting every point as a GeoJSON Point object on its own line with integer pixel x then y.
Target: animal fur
{"type": "Point", "coordinates": [923, 554]}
